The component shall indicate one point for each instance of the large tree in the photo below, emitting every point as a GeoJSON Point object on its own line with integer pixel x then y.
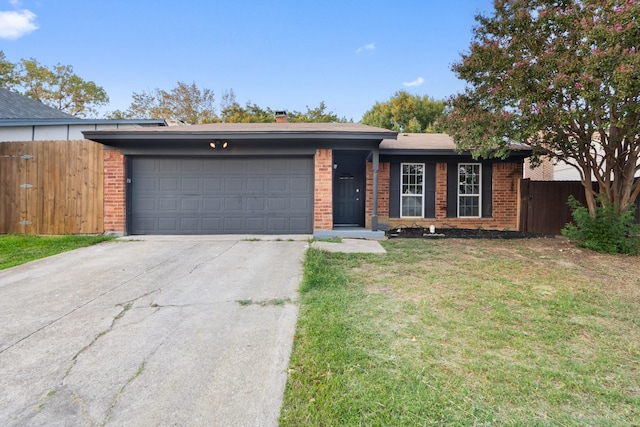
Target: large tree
{"type": "Point", "coordinates": [58, 87]}
{"type": "Point", "coordinates": [404, 112]}
{"type": "Point", "coordinates": [564, 77]}
{"type": "Point", "coordinates": [185, 102]}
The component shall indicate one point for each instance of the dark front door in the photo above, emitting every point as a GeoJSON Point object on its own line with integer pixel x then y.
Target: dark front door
{"type": "Point", "coordinates": [348, 189]}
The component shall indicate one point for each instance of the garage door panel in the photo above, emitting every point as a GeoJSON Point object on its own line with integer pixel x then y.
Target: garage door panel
{"type": "Point", "coordinates": [189, 204]}
{"type": "Point", "coordinates": [212, 204]}
{"type": "Point", "coordinates": [191, 185]}
{"type": "Point", "coordinates": [233, 204]}
{"type": "Point", "coordinates": [168, 204]}
{"type": "Point", "coordinates": [211, 185]}
{"type": "Point", "coordinates": [233, 185]}
{"type": "Point", "coordinates": [299, 184]}
{"type": "Point", "coordinates": [168, 225]}
{"type": "Point", "coordinates": [256, 204]}
{"type": "Point", "coordinates": [299, 205]}
{"type": "Point", "coordinates": [168, 184]}
{"type": "Point", "coordinates": [215, 196]}
{"type": "Point", "coordinates": [212, 225]}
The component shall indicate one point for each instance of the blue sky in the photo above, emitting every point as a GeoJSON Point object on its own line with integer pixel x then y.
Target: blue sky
{"type": "Point", "coordinates": [277, 54]}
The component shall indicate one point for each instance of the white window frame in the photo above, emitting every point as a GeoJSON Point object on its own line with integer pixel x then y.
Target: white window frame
{"type": "Point", "coordinates": [403, 196]}
{"type": "Point", "coordinates": [479, 195]}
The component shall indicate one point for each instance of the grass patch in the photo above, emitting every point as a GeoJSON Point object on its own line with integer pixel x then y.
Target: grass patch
{"type": "Point", "coordinates": [16, 249]}
{"type": "Point", "coordinates": [458, 332]}
{"type": "Point", "coordinates": [265, 303]}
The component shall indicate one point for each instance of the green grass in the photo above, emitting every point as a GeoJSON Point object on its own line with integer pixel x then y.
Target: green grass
{"type": "Point", "coordinates": [467, 332]}
{"type": "Point", "coordinates": [16, 249]}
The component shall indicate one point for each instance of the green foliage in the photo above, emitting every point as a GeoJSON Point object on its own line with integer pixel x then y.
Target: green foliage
{"type": "Point", "coordinates": [315, 115]}
{"type": "Point", "coordinates": [608, 232]}
{"type": "Point", "coordinates": [58, 87]}
{"type": "Point", "coordinates": [405, 113]}
{"type": "Point", "coordinates": [562, 76]}
{"type": "Point", "coordinates": [185, 102]}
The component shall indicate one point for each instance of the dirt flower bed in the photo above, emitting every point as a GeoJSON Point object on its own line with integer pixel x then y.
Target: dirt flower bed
{"type": "Point", "coordinates": [460, 233]}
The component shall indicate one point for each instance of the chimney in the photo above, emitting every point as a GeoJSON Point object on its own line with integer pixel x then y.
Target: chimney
{"type": "Point", "coordinates": [281, 117]}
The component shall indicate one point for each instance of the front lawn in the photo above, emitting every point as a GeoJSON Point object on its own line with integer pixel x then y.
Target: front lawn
{"type": "Point", "coordinates": [467, 332]}
{"type": "Point", "coordinates": [18, 249]}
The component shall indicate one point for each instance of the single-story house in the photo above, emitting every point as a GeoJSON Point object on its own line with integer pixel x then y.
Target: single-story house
{"type": "Point", "coordinates": [298, 178]}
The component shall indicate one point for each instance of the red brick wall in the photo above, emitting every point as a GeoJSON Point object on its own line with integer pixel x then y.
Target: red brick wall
{"type": "Point", "coordinates": [114, 191]}
{"type": "Point", "coordinates": [323, 190]}
{"type": "Point", "coordinates": [506, 180]}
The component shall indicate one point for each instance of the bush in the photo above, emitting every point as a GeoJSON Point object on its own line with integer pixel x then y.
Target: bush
{"type": "Point", "coordinates": [607, 232]}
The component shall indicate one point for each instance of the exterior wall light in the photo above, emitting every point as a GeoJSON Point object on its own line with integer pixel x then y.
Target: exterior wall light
{"type": "Point", "coordinates": [221, 144]}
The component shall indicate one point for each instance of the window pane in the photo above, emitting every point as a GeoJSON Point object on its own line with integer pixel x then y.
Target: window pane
{"type": "Point", "coordinates": [469, 178]}
{"type": "Point", "coordinates": [469, 206]}
{"type": "Point", "coordinates": [411, 205]}
{"type": "Point", "coordinates": [412, 190]}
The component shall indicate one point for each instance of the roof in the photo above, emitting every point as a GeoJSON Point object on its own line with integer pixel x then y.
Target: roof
{"type": "Point", "coordinates": [15, 106]}
{"type": "Point", "coordinates": [431, 143]}
{"type": "Point", "coordinates": [246, 131]}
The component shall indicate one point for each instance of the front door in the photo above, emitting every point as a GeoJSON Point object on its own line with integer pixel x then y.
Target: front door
{"type": "Point", "coordinates": [348, 189]}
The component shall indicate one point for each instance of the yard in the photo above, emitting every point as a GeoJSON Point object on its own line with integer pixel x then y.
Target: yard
{"type": "Point", "coordinates": [466, 332]}
{"type": "Point", "coordinates": [16, 249]}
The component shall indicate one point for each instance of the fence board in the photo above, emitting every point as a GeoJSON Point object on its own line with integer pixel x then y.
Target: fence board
{"type": "Point", "coordinates": [66, 196]}
{"type": "Point", "coordinates": [544, 207]}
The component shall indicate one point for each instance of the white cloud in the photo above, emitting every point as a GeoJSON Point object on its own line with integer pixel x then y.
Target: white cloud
{"type": "Point", "coordinates": [416, 82]}
{"type": "Point", "coordinates": [369, 47]}
{"type": "Point", "coordinates": [16, 23]}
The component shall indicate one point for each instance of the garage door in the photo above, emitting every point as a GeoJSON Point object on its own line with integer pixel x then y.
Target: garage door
{"type": "Point", "coordinates": [221, 195]}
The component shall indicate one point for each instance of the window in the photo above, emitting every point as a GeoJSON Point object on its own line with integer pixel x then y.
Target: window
{"type": "Point", "coordinates": [412, 195]}
{"type": "Point", "coordinates": [469, 189]}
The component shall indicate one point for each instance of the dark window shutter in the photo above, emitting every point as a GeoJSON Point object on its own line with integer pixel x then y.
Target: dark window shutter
{"type": "Point", "coordinates": [487, 190]}
{"type": "Point", "coordinates": [394, 190]}
{"type": "Point", "coordinates": [452, 190]}
{"type": "Point", "coordinates": [430, 190]}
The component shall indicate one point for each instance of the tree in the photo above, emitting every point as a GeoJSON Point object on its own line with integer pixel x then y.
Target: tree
{"type": "Point", "coordinates": [315, 115]}
{"type": "Point", "coordinates": [405, 113]}
{"type": "Point", "coordinates": [564, 77]}
{"type": "Point", "coordinates": [185, 102]}
{"type": "Point", "coordinates": [8, 78]}
{"type": "Point", "coordinates": [250, 113]}
{"type": "Point", "coordinates": [58, 87]}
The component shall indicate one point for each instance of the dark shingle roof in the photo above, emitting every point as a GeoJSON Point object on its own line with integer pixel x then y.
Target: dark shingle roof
{"type": "Point", "coordinates": [16, 106]}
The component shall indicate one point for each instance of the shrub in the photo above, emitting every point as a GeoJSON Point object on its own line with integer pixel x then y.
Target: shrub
{"type": "Point", "coordinates": [608, 232]}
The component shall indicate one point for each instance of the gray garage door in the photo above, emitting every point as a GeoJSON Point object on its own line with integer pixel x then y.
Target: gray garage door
{"type": "Point", "coordinates": [221, 195]}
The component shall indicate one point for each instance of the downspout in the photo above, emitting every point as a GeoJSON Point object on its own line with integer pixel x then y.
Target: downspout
{"type": "Point", "coordinates": [374, 213]}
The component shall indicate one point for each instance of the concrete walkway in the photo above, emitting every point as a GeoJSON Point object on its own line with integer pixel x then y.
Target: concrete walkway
{"type": "Point", "coordinates": [151, 332]}
{"type": "Point", "coordinates": [351, 246]}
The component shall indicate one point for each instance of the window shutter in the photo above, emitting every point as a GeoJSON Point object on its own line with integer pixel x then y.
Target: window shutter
{"type": "Point", "coordinates": [487, 190]}
{"type": "Point", "coordinates": [452, 190]}
{"type": "Point", "coordinates": [430, 190]}
{"type": "Point", "coordinates": [394, 190]}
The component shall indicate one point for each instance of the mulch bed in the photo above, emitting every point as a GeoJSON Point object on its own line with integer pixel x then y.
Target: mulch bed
{"type": "Point", "coordinates": [460, 233]}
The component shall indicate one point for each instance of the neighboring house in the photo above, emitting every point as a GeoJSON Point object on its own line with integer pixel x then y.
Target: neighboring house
{"type": "Point", "coordinates": [51, 178]}
{"type": "Point", "coordinates": [24, 119]}
{"type": "Point", "coordinates": [298, 178]}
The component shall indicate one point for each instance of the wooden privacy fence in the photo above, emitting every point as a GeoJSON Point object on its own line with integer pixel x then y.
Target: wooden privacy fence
{"type": "Point", "coordinates": [544, 208]}
{"type": "Point", "coordinates": [51, 187]}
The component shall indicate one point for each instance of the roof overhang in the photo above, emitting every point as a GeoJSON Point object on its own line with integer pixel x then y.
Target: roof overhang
{"type": "Point", "coordinates": [309, 134]}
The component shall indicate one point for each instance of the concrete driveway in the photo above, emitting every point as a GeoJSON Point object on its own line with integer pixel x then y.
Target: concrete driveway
{"type": "Point", "coordinates": [160, 332]}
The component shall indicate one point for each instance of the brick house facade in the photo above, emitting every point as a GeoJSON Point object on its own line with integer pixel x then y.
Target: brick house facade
{"type": "Point", "coordinates": [421, 180]}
